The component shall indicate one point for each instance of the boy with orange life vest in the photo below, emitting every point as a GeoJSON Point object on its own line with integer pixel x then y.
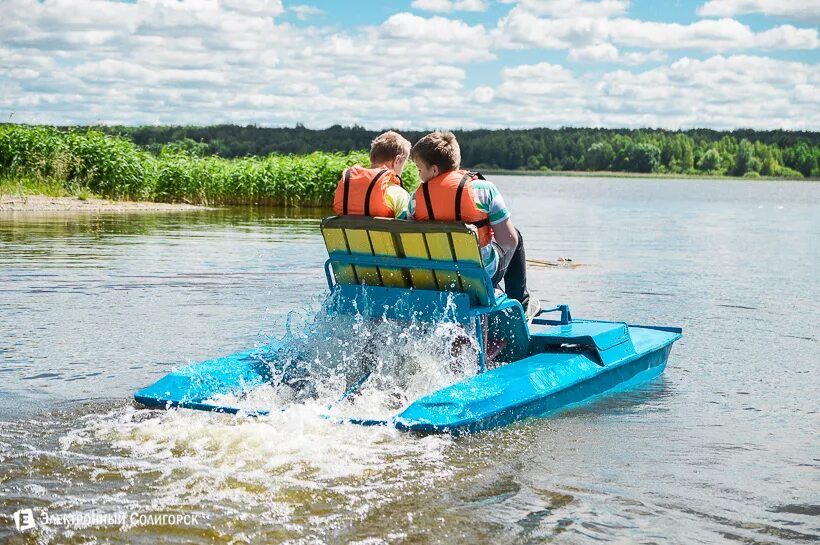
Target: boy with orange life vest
{"type": "Point", "coordinates": [376, 191]}
{"type": "Point", "coordinates": [450, 194]}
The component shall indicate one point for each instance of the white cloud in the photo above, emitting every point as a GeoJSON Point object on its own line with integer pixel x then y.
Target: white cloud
{"type": "Point", "coordinates": [787, 37]}
{"type": "Point", "coordinates": [640, 57]}
{"type": "Point", "coordinates": [209, 61]}
{"type": "Point", "coordinates": [262, 8]}
{"type": "Point", "coordinates": [543, 81]}
{"type": "Point", "coordinates": [608, 53]}
{"type": "Point", "coordinates": [543, 72]}
{"type": "Point", "coordinates": [304, 11]}
{"type": "Point", "coordinates": [447, 77]}
{"type": "Point", "coordinates": [446, 6]}
{"type": "Point", "coordinates": [160, 61]}
{"type": "Point", "coordinates": [801, 10]}
{"type": "Point", "coordinates": [720, 92]}
{"type": "Point", "coordinates": [523, 28]}
{"type": "Point", "coordinates": [112, 71]}
{"type": "Point", "coordinates": [405, 36]}
{"type": "Point", "coordinates": [23, 73]}
{"type": "Point", "coordinates": [483, 94]}
{"type": "Point", "coordinates": [710, 35]}
{"type": "Point", "coordinates": [602, 52]}
{"type": "Point", "coordinates": [573, 8]}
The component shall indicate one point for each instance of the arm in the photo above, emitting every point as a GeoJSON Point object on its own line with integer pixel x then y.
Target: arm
{"type": "Point", "coordinates": [489, 198]}
{"type": "Point", "coordinates": [505, 235]}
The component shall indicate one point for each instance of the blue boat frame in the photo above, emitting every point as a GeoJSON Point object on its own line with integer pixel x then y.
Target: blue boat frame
{"type": "Point", "coordinates": [426, 304]}
{"type": "Point", "coordinates": [564, 362]}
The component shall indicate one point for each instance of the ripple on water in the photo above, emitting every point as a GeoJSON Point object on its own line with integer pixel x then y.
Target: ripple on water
{"type": "Point", "coordinates": [721, 450]}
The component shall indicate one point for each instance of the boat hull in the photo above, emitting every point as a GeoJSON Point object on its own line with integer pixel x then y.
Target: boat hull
{"type": "Point", "coordinates": [536, 386]}
{"type": "Point", "coordinates": [609, 357]}
{"type": "Point", "coordinates": [191, 387]}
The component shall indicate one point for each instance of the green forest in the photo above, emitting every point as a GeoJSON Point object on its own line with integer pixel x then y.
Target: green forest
{"type": "Point", "coordinates": [750, 153]}
{"type": "Point", "coordinates": [299, 166]}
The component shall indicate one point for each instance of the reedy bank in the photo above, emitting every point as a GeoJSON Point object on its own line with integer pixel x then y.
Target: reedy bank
{"type": "Point", "coordinates": [89, 160]}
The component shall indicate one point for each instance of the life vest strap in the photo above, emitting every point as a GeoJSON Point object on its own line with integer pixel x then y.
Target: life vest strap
{"type": "Point", "coordinates": [428, 201]}
{"type": "Point", "coordinates": [459, 191]}
{"type": "Point", "coordinates": [370, 191]}
{"type": "Point", "coordinates": [347, 191]}
{"type": "Point", "coordinates": [470, 175]}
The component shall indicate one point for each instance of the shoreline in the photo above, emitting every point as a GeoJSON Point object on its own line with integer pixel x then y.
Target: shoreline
{"type": "Point", "coordinates": [40, 201]}
{"type": "Point", "coordinates": [44, 203]}
{"type": "Point", "coordinates": [646, 175]}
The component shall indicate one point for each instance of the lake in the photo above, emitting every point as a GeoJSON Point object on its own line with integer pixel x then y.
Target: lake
{"type": "Point", "coordinates": [722, 448]}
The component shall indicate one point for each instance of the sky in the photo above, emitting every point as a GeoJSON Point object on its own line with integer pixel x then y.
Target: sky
{"type": "Point", "coordinates": [413, 64]}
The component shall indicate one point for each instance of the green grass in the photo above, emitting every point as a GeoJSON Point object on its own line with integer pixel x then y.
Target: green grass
{"type": "Point", "coordinates": [47, 187]}
{"type": "Point", "coordinates": [44, 160]}
{"type": "Point", "coordinates": [29, 186]}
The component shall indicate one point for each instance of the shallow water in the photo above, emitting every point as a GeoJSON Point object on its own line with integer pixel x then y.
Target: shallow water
{"type": "Point", "coordinates": [722, 448]}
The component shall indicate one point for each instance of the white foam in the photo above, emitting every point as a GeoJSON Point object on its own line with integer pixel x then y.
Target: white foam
{"type": "Point", "coordinates": [268, 463]}
{"type": "Point", "coordinates": [399, 361]}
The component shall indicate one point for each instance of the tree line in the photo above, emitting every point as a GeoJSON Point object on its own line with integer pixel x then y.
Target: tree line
{"type": "Point", "coordinates": [743, 152]}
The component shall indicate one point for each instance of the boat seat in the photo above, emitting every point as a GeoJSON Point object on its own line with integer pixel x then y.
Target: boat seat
{"type": "Point", "coordinates": [437, 256]}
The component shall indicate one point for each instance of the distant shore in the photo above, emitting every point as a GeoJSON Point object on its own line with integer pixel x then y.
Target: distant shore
{"type": "Point", "coordinates": [648, 175]}
{"type": "Point", "coordinates": [91, 165]}
{"type": "Point", "coordinates": [45, 198]}
{"type": "Point", "coordinates": [43, 203]}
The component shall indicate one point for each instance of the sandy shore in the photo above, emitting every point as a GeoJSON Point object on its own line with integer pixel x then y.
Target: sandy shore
{"type": "Point", "coordinates": [39, 203]}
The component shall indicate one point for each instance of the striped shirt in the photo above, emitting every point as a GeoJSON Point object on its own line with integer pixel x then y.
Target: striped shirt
{"type": "Point", "coordinates": [397, 200]}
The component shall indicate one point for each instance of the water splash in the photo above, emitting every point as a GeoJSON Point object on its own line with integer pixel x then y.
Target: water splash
{"type": "Point", "coordinates": [257, 474]}
{"type": "Point", "coordinates": [278, 472]}
{"type": "Point", "coordinates": [361, 364]}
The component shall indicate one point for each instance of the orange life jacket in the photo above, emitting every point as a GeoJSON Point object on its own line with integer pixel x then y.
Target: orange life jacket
{"type": "Point", "coordinates": [361, 192]}
{"type": "Point", "coordinates": [449, 197]}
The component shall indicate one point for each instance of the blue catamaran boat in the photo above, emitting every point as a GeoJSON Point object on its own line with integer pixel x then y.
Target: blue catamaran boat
{"type": "Point", "coordinates": [403, 271]}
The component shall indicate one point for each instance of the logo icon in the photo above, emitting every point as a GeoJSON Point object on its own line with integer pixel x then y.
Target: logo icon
{"type": "Point", "coordinates": [24, 520]}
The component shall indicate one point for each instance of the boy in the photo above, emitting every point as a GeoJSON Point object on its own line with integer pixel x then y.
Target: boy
{"type": "Point", "coordinates": [450, 194]}
{"type": "Point", "coordinates": [376, 191]}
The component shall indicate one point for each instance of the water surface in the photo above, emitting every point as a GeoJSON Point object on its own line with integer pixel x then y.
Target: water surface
{"type": "Point", "coordinates": [722, 448]}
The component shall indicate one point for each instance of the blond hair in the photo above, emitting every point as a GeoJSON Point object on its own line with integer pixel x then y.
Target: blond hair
{"type": "Point", "coordinates": [386, 146]}
{"type": "Point", "coordinates": [439, 149]}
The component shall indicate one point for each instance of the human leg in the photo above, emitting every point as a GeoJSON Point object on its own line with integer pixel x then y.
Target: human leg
{"type": "Point", "coordinates": [515, 277]}
{"type": "Point", "coordinates": [512, 268]}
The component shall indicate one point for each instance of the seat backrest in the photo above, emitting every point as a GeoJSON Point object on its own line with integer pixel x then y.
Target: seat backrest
{"type": "Point", "coordinates": [439, 256]}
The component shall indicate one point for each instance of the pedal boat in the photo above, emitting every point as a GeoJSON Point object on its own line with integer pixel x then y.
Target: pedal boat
{"type": "Point", "coordinates": [399, 270]}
